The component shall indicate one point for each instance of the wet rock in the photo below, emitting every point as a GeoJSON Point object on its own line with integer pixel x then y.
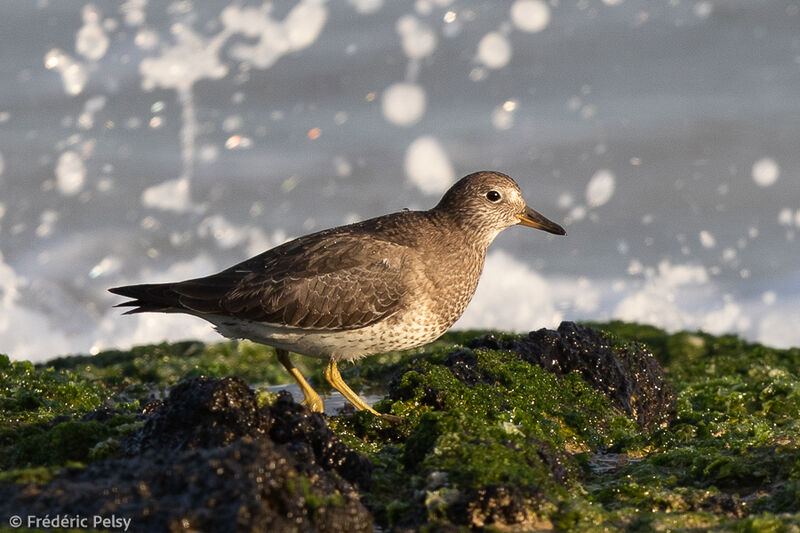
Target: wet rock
{"type": "Point", "coordinates": [209, 412]}
{"type": "Point", "coordinates": [493, 504]}
{"type": "Point", "coordinates": [101, 414]}
{"type": "Point", "coordinates": [199, 413]}
{"type": "Point", "coordinates": [488, 342]}
{"type": "Point", "coordinates": [723, 504]}
{"type": "Point", "coordinates": [308, 438]}
{"type": "Point", "coordinates": [629, 375]}
{"type": "Point", "coordinates": [249, 485]}
{"type": "Point", "coordinates": [209, 459]}
{"type": "Point", "coordinates": [464, 366]}
{"type": "Point", "coordinates": [556, 461]}
{"type": "Point", "coordinates": [433, 397]}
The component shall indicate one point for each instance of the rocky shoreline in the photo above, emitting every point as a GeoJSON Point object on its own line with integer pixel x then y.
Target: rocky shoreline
{"type": "Point", "coordinates": [579, 429]}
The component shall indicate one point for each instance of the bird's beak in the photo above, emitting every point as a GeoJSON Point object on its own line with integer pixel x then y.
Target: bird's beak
{"type": "Point", "coordinates": [533, 219]}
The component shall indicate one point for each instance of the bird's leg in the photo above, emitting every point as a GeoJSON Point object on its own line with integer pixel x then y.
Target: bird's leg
{"type": "Point", "coordinates": [312, 399]}
{"type": "Point", "coordinates": [336, 381]}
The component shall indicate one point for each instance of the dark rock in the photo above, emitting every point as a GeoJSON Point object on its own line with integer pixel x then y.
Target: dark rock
{"type": "Point", "coordinates": [101, 414]}
{"type": "Point", "coordinates": [59, 420]}
{"type": "Point", "coordinates": [488, 342]}
{"type": "Point", "coordinates": [723, 504]}
{"type": "Point", "coordinates": [433, 397]}
{"type": "Point", "coordinates": [152, 407]}
{"type": "Point", "coordinates": [307, 435]}
{"type": "Point", "coordinates": [554, 460]}
{"type": "Point", "coordinates": [209, 412]}
{"type": "Point", "coordinates": [209, 459]}
{"type": "Point", "coordinates": [464, 366]}
{"type": "Point", "coordinates": [199, 413]}
{"type": "Point", "coordinates": [629, 375]}
{"type": "Point", "coordinates": [249, 485]}
{"type": "Point", "coordinates": [493, 504]}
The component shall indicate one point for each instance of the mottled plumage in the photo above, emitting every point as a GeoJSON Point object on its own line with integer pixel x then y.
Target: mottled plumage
{"type": "Point", "coordinates": [391, 282]}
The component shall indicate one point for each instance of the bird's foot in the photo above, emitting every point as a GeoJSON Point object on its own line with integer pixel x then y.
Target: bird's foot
{"type": "Point", "coordinates": [311, 399]}
{"type": "Point", "coordinates": [389, 418]}
{"type": "Point", "coordinates": [335, 379]}
{"type": "Point", "coordinates": [314, 403]}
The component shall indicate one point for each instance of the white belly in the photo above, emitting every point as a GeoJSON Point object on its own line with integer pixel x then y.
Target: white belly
{"type": "Point", "coordinates": [346, 345]}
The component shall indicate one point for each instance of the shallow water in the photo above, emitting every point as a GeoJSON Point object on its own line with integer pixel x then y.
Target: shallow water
{"type": "Point", "coordinates": [334, 401]}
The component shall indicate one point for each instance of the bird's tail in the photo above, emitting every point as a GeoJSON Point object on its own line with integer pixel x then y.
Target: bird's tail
{"type": "Point", "coordinates": [149, 297]}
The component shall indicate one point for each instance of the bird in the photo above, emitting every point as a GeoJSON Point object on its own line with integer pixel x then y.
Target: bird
{"type": "Point", "coordinates": [392, 282]}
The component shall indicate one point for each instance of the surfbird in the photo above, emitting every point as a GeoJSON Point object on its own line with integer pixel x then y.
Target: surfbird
{"type": "Point", "coordinates": [388, 283]}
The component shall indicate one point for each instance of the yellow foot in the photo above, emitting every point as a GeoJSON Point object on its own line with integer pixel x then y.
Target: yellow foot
{"type": "Point", "coordinates": [390, 418]}
{"type": "Point", "coordinates": [313, 402]}
{"type": "Point", "coordinates": [312, 399]}
{"type": "Point", "coordinates": [333, 377]}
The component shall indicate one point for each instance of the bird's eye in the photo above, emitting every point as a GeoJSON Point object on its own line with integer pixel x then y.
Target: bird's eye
{"type": "Point", "coordinates": [493, 196]}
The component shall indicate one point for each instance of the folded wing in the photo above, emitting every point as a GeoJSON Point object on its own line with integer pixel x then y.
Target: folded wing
{"type": "Point", "coordinates": [329, 282]}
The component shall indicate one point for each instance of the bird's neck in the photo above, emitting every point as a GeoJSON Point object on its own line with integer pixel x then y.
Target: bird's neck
{"type": "Point", "coordinates": [471, 233]}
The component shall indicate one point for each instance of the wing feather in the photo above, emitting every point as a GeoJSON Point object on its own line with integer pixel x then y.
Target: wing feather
{"type": "Point", "coordinates": [343, 278]}
{"type": "Point", "coordinates": [341, 283]}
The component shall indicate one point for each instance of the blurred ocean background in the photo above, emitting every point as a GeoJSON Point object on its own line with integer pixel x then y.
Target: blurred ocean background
{"type": "Point", "coordinates": [151, 141]}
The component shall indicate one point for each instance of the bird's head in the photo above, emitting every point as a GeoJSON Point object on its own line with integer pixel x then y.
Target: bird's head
{"type": "Point", "coordinates": [488, 202]}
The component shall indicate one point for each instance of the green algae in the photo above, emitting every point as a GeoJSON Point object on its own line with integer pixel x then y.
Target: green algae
{"type": "Point", "coordinates": [516, 426]}
{"type": "Point", "coordinates": [41, 430]}
{"type": "Point", "coordinates": [730, 461]}
{"type": "Point", "coordinates": [168, 363]}
{"type": "Point", "coordinates": [302, 486]}
{"type": "Point", "coordinates": [30, 395]}
{"type": "Point", "coordinates": [734, 448]}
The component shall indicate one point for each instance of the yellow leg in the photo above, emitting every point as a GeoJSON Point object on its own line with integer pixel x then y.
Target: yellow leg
{"type": "Point", "coordinates": [336, 381]}
{"type": "Point", "coordinates": [312, 399]}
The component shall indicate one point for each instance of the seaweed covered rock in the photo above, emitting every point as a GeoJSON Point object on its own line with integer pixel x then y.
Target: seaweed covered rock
{"type": "Point", "coordinates": [208, 458]}
{"type": "Point", "coordinates": [628, 374]}
{"type": "Point", "coordinates": [464, 366]}
{"type": "Point", "coordinates": [543, 431]}
{"type": "Point", "coordinates": [249, 485]}
{"type": "Point", "coordinates": [491, 439]}
{"type": "Point", "coordinates": [307, 436]}
{"type": "Point", "coordinates": [500, 429]}
{"type": "Point", "coordinates": [209, 412]}
{"type": "Point", "coordinates": [199, 413]}
{"type": "Point", "coordinates": [491, 505]}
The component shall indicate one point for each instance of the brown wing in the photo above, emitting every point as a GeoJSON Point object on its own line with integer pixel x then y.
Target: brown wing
{"type": "Point", "coordinates": [323, 281]}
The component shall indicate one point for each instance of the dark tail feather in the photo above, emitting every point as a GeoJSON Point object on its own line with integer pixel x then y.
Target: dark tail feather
{"type": "Point", "coordinates": [149, 297]}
